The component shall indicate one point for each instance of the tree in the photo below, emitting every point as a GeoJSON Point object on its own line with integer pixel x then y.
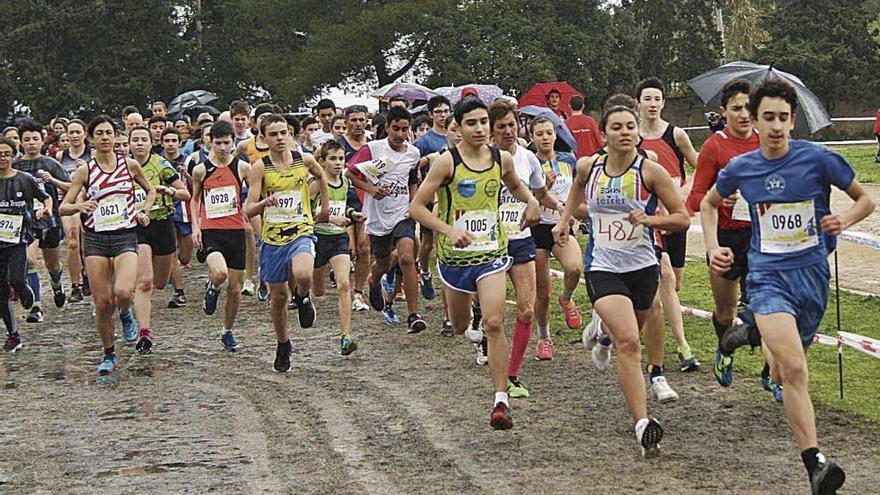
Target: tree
{"type": "Point", "coordinates": [743, 28]}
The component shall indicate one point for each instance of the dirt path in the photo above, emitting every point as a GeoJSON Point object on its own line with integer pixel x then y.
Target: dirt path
{"type": "Point", "coordinates": [405, 414]}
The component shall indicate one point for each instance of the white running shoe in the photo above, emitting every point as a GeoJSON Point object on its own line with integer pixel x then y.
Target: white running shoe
{"type": "Point", "coordinates": [358, 303]}
{"type": "Point", "coordinates": [248, 288]}
{"type": "Point", "coordinates": [482, 352]}
{"type": "Point", "coordinates": [592, 332]}
{"type": "Point", "coordinates": [648, 434]}
{"type": "Point", "coordinates": [601, 355]}
{"type": "Point", "coordinates": [474, 336]}
{"type": "Point", "coordinates": [661, 390]}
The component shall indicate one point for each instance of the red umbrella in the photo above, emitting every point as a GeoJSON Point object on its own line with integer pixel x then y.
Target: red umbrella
{"type": "Point", "coordinates": [538, 95]}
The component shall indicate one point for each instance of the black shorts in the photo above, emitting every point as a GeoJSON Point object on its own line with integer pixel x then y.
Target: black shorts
{"type": "Point", "coordinates": [543, 235]}
{"type": "Point", "coordinates": [675, 245]}
{"type": "Point", "coordinates": [329, 246]}
{"type": "Point", "coordinates": [109, 244]}
{"type": "Point", "coordinates": [382, 245]}
{"type": "Point", "coordinates": [229, 243]}
{"type": "Point", "coordinates": [159, 235]}
{"type": "Point", "coordinates": [49, 238]}
{"type": "Point", "coordinates": [738, 240]}
{"type": "Point", "coordinates": [521, 250]}
{"type": "Point", "coordinates": [640, 286]}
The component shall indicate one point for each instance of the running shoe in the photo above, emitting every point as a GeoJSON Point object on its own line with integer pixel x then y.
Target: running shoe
{"type": "Point", "coordinates": [76, 294]}
{"type": "Point", "coordinates": [347, 345]}
{"type": "Point", "coordinates": [282, 357]}
{"type": "Point", "coordinates": [201, 255]}
{"type": "Point", "coordinates": [332, 279]}
{"type": "Point", "coordinates": [358, 303]}
{"type": "Point", "coordinates": [291, 305]}
{"type": "Point", "coordinates": [661, 390]}
{"type": "Point", "coordinates": [416, 323]}
{"type": "Point", "coordinates": [229, 342]}
{"type": "Point", "coordinates": [305, 309]}
{"type": "Point", "coordinates": [26, 299]}
{"type": "Point", "coordinates": [649, 435]}
{"type": "Point", "coordinates": [262, 292]}
{"type": "Point", "coordinates": [59, 296]}
{"type": "Point", "coordinates": [516, 389]}
{"type": "Point", "coordinates": [447, 330]}
{"type": "Point", "coordinates": [388, 286]}
{"type": "Point", "coordinates": [483, 352]}
{"type": "Point", "coordinates": [211, 297]}
{"type": "Point", "coordinates": [687, 361]}
{"type": "Point", "coordinates": [544, 351]}
{"type": "Point", "coordinates": [247, 288]}
{"type": "Point", "coordinates": [178, 300]}
{"type": "Point", "coordinates": [145, 342]}
{"type": "Point", "coordinates": [571, 312]}
{"type": "Point", "coordinates": [428, 291]}
{"type": "Point", "coordinates": [390, 316]}
{"type": "Point", "coordinates": [108, 364]}
{"type": "Point", "coordinates": [738, 336]}
{"type": "Point", "coordinates": [13, 342]}
{"type": "Point", "coordinates": [601, 355]}
{"type": "Point", "coordinates": [35, 316]}
{"type": "Point", "coordinates": [723, 369]}
{"type": "Point", "coordinates": [592, 333]}
{"type": "Point", "coordinates": [772, 387]}
{"type": "Point", "coordinates": [376, 299]}
{"type": "Point", "coordinates": [501, 418]}
{"type": "Point", "coordinates": [827, 478]}
{"type": "Point", "coordinates": [129, 326]}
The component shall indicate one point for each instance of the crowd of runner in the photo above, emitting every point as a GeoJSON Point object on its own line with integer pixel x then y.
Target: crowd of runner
{"type": "Point", "coordinates": [276, 206]}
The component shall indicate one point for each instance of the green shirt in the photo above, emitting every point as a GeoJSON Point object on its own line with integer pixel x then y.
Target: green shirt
{"type": "Point", "coordinates": [158, 172]}
{"type": "Point", "coordinates": [338, 201]}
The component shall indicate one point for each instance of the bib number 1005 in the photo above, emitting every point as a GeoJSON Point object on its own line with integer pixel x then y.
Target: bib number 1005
{"type": "Point", "coordinates": [476, 224]}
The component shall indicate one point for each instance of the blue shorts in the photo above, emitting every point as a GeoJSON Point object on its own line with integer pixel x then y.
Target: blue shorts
{"type": "Point", "coordinates": [275, 260]}
{"type": "Point", "coordinates": [465, 278]}
{"type": "Point", "coordinates": [183, 228]}
{"type": "Point", "coordinates": [521, 250]}
{"type": "Point", "coordinates": [800, 292]}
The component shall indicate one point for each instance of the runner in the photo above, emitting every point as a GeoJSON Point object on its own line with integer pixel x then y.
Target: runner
{"type": "Point", "coordinates": [787, 188]}
{"type": "Point", "coordinates": [133, 119]}
{"type": "Point", "coordinates": [239, 112]}
{"type": "Point", "coordinates": [326, 112]}
{"type": "Point", "coordinates": [353, 140]}
{"type": "Point", "coordinates": [18, 192]}
{"type": "Point", "coordinates": [387, 170]}
{"type": "Point", "coordinates": [181, 216]}
{"type": "Point", "coordinates": [333, 243]}
{"type": "Point", "coordinates": [156, 240]}
{"type": "Point", "coordinates": [559, 168]}
{"type": "Point", "coordinates": [338, 127]}
{"type": "Point", "coordinates": [219, 227]}
{"type": "Point", "coordinates": [71, 158]}
{"type": "Point", "coordinates": [673, 147]}
{"type": "Point", "coordinates": [309, 126]}
{"type": "Point", "coordinates": [12, 134]}
{"type": "Point", "coordinates": [279, 190]}
{"type": "Point", "coordinates": [109, 236]}
{"type": "Point", "coordinates": [471, 248]}
{"type": "Point", "coordinates": [48, 230]}
{"type": "Point", "coordinates": [158, 109]}
{"type": "Point", "coordinates": [621, 191]}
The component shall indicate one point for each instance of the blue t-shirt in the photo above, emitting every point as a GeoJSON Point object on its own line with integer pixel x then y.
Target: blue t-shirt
{"type": "Point", "coordinates": [785, 234]}
{"type": "Point", "coordinates": [430, 142]}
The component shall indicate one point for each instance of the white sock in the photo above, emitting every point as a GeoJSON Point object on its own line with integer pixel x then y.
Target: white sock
{"type": "Point", "coordinates": [501, 397]}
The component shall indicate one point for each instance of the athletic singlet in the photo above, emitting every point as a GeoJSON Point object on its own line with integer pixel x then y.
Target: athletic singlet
{"type": "Point", "coordinates": [253, 153]}
{"type": "Point", "coordinates": [565, 167]}
{"type": "Point", "coordinates": [350, 150]}
{"type": "Point", "coordinates": [158, 172]}
{"type": "Point", "coordinates": [668, 154]}
{"type": "Point", "coordinates": [529, 171]}
{"type": "Point", "coordinates": [221, 198]}
{"type": "Point", "coordinates": [68, 162]}
{"type": "Point", "coordinates": [470, 201]}
{"type": "Point", "coordinates": [292, 217]}
{"type": "Point", "coordinates": [338, 202]}
{"type": "Point", "coordinates": [616, 245]}
{"type": "Point", "coordinates": [114, 193]}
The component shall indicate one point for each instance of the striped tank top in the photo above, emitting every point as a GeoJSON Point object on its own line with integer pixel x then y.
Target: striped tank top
{"type": "Point", "coordinates": [221, 198]}
{"type": "Point", "coordinates": [616, 245]}
{"type": "Point", "coordinates": [114, 193]}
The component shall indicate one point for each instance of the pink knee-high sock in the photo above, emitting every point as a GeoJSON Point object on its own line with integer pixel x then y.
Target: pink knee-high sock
{"type": "Point", "coordinates": [522, 332]}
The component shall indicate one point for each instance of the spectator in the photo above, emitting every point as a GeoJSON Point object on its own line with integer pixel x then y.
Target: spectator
{"type": "Point", "coordinates": [583, 128]}
{"type": "Point", "coordinates": [877, 133]}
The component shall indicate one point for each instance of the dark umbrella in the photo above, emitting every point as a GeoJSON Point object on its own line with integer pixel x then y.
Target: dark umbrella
{"type": "Point", "coordinates": [562, 131]}
{"type": "Point", "coordinates": [810, 114]}
{"type": "Point", "coordinates": [185, 101]}
{"type": "Point", "coordinates": [197, 109]}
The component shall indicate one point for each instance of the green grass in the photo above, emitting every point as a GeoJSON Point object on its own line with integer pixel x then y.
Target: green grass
{"type": "Point", "coordinates": [858, 315]}
{"type": "Point", "coordinates": [862, 160]}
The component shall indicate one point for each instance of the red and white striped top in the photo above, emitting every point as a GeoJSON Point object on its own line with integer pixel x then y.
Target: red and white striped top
{"type": "Point", "coordinates": [114, 193]}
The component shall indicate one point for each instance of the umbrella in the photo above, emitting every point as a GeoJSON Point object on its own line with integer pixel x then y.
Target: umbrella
{"type": "Point", "coordinates": [184, 101]}
{"type": "Point", "coordinates": [538, 95]}
{"type": "Point", "coordinates": [562, 131]}
{"type": "Point", "coordinates": [810, 115]}
{"type": "Point", "coordinates": [197, 109]}
{"type": "Point", "coordinates": [410, 91]}
{"type": "Point", "coordinates": [488, 93]}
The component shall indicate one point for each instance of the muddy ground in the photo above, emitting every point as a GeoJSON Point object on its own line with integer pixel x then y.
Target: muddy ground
{"type": "Point", "coordinates": [404, 414]}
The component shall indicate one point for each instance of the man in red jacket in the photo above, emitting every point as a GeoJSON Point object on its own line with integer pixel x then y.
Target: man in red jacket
{"type": "Point", "coordinates": [583, 128]}
{"type": "Point", "coordinates": [877, 133]}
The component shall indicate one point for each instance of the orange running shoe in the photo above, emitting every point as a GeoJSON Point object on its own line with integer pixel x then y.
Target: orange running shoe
{"type": "Point", "coordinates": [572, 314]}
{"type": "Point", "coordinates": [545, 350]}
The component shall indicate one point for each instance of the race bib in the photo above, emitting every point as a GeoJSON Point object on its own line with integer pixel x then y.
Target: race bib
{"type": "Point", "coordinates": [741, 211]}
{"type": "Point", "coordinates": [289, 208]}
{"type": "Point", "coordinates": [483, 227]}
{"type": "Point", "coordinates": [111, 214]}
{"type": "Point", "coordinates": [337, 208]}
{"type": "Point", "coordinates": [613, 231]}
{"type": "Point", "coordinates": [220, 202]}
{"type": "Point", "coordinates": [140, 198]}
{"type": "Point", "coordinates": [10, 228]}
{"type": "Point", "coordinates": [787, 227]}
{"type": "Point", "coordinates": [511, 214]}
{"type": "Point", "coordinates": [374, 170]}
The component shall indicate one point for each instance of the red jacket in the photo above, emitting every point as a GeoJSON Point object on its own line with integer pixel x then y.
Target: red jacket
{"type": "Point", "coordinates": [877, 123]}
